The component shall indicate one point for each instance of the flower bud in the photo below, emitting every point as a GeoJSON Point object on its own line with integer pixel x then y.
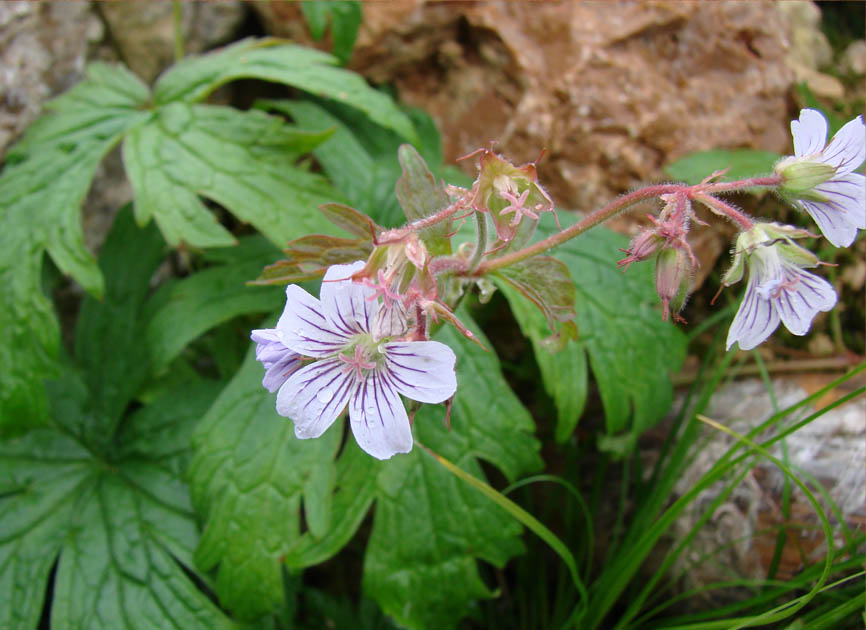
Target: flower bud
{"type": "Point", "coordinates": [673, 279]}
{"type": "Point", "coordinates": [802, 175]}
{"type": "Point", "coordinates": [642, 247]}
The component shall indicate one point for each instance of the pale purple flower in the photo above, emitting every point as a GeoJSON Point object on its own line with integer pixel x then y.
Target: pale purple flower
{"type": "Point", "coordinates": [778, 288]}
{"type": "Point", "coordinates": [356, 362]}
{"type": "Point", "coordinates": [820, 179]}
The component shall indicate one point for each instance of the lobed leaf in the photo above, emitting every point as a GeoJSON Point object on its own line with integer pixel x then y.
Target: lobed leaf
{"type": "Point", "coordinates": [247, 478]}
{"type": "Point", "coordinates": [313, 71]}
{"type": "Point", "coordinates": [421, 195]}
{"type": "Point", "coordinates": [46, 177]}
{"type": "Point", "coordinates": [244, 161]}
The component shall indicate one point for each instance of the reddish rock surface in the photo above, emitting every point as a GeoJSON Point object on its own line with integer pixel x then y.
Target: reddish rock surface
{"type": "Point", "coordinates": [612, 91]}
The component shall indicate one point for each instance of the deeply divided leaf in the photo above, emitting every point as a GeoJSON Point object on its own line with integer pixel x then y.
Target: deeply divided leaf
{"type": "Point", "coordinates": [308, 69]}
{"type": "Point", "coordinates": [46, 177]}
{"type": "Point", "coordinates": [245, 161]}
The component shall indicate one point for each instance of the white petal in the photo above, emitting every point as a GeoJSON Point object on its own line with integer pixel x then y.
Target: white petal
{"type": "Point", "coordinates": [378, 418]}
{"type": "Point", "coordinates": [755, 321]}
{"type": "Point", "coordinates": [810, 132]}
{"type": "Point", "coordinates": [346, 303]}
{"type": "Point", "coordinates": [847, 149]}
{"type": "Point", "coordinates": [799, 305]}
{"type": "Point", "coordinates": [304, 328]}
{"type": "Point", "coordinates": [315, 395]}
{"type": "Point", "coordinates": [280, 371]}
{"type": "Point", "coordinates": [835, 226]}
{"type": "Point", "coordinates": [421, 370]}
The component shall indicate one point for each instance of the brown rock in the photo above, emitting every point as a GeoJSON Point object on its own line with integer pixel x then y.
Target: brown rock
{"type": "Point", "coordinates": [143, 32]}
{"type": "Point", "coordinates": [613, 91]}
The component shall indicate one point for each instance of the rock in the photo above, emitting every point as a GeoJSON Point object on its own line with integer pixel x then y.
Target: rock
{"type": "Point", "coordinates": [820, 84]}
{"type": "Point", "coordinates": [613, 94]}
{"type": "Point", "coordinates": [43, 48]}
{"type": "Point", "coordinates": [143, 32]}
{"type": "Point", "coordinates": [809, 46]}
{"type": "Point", "coordinates": [740, 538]}
{"type": "Point", "coordinates": [854, 58]}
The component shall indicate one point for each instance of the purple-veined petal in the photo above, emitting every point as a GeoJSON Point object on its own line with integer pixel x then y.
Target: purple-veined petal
{"type": "Point", "coordinates": [847, 149]}
{"type": "Point", "coordinates": [421, 370]}
{"type": "Point", "coordinates": [379, 421]}
{"type": "Point", "coordinates": [304, 328]}
{"type": "Point", "coordinates": [755, 320]}
{"type": "Point", "coordinates": [280, 370]}
{"type": "Point", "coordinates": [315, 395]}
{"type": "Point", "coordinates": [346, 303]}
{"type": "Point", "coordinates": [807, 295]}
{"type": "Point", "coordinates": [278, 360]}
{"type": "Point", "coordinates": [810, 132]}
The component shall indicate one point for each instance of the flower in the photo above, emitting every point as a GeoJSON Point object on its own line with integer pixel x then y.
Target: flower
{"type": "Point", "coordinates": [820, 179]}
{"type": "Point", "coordinates": [778, 288]}
{"type": "Point", "coordinates": [354, 363]}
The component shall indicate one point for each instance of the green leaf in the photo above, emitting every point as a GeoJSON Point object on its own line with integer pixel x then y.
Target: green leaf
{"type": "Point", "coordinates": [183, 309]}
{"type": "Point", "coordinates": [108, 343]}
{"type": "Point", "coordinates": [564, 374]}
{"type": "Point", "coordinates": [421, 195]}
{"type": "Point", "coordinates": [310, 70]}
{"type": "Point", "coordinates": [361, 157]}
{"type": "Point", "coordinates": [46, 177]}
{"type": "Point", "coordinates": [247, 478]}
{"type": "Point", "coordinates": [546, 282]}
{"type": "Point", "coordinates": [632, 352]}
{"type": "Point", "coordinates": [122, 526]}
{"type": "Point", "coordinates": [431, 528]}
{"type": "Point", "coordinates": [244, 161]}
{"type": "Point", "coordinates": [345, 18]}
{"type": "Point", "coordinates": [742, 163]}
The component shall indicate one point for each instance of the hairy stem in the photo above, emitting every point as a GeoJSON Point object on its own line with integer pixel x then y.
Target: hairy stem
{"type": "Point", "coordinates": [698, 192]}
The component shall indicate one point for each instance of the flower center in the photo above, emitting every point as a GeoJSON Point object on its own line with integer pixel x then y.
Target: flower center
{"type": "Point", "coordinates": [365, 356]}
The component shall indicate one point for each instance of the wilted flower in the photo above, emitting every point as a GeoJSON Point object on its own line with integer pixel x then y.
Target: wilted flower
{"type": "Point", "coordinates": [778, 287]}
{"type": "Point", "coordinates": [354, 363]}
{"type": "Point", "coordinates": [820, 179]}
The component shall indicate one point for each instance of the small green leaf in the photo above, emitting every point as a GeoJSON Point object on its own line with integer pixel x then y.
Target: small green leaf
{"type": "Point", "coordinates": [345, 18]}
{"type": "Point", "coordinates": [742, 163]}
{"type": "Point", "coordinates": [430, 528]}
{"type": "Point", "coordinates": [47, 175]}
{"type": "Point", "coordinates": [247, 477]}
{"type": "Point", "coordinates": [421, 195]}
{"type": "Point", "coordinates": [183, 309]}
{"type": "Point", "coordinates": [310, 70]}
{"type": "Point", "coordinates": [546, 282]}
{"type": "Point", "coordinates": [632, 352]}
{"type": "Point", "coordinates": [244, 161]}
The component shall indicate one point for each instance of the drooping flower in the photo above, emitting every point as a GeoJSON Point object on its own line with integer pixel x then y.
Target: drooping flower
{"type": "Point", "coordinates": [820, 179]}
{"type": "Point", "coordinates": [778, 288]}
{"type": "Point", "coordinates": [356, 363]}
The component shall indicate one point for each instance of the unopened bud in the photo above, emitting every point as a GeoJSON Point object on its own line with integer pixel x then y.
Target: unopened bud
{"type": "Point", "coordinates": [642, 247]}
{"type": "Point", "coordinates": [416, 252]}
{"type": "Point", "coordinates": [801, 176]}
{"type": "Point", "coordinates": [673, 278]}
{"type": "Point", "coordinates": [390, 321]}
